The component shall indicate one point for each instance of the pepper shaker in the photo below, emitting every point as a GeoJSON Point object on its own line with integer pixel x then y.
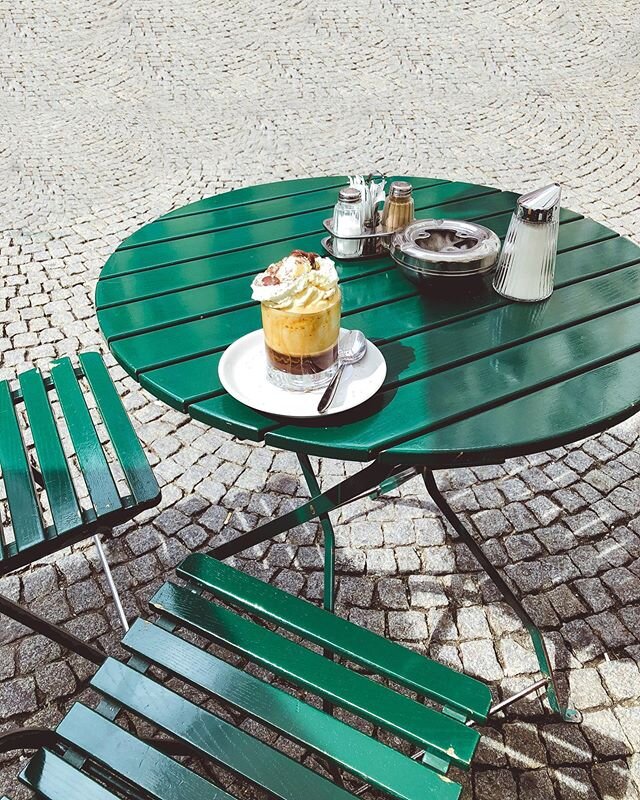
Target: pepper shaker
{"type": "Point", "coordinates": [398, 209]}
{"type": "Point", "coordinates": [527, 263]}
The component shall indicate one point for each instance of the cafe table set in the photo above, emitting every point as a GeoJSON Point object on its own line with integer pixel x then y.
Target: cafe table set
{"type": "Point", "coordinates": [409, 324]}
{"type": "Point", "coordinates": [488, 326]}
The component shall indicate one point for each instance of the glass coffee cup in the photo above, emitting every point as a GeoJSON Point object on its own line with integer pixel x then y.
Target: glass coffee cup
{"type": "Point", "coordinates": [301, 305]}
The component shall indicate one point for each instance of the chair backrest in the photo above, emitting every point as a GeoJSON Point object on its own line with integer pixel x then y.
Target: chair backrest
{"type": "Point", "coordinates": [53, 411]}
{"type": "Point", "coordinates": [132, 767]}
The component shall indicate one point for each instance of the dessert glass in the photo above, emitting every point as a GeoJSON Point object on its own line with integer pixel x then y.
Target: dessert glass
{"type": "Point", "coordinates": [301, 302]}
{"type": "Point", "coordinates": [302, 346]}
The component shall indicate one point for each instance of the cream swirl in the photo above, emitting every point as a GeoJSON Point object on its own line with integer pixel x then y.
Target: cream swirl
{"type": "Point", "coordinates": [300, 282]}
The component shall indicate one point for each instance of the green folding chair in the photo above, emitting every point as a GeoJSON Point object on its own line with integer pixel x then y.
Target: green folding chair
{"type": "Point", "coordinates": [407, 697]}
{"type": "Point", "coordinates": [45, 486]}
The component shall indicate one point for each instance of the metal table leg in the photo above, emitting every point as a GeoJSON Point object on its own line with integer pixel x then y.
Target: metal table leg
{"type": "Point", "coordinates": [568, 714]}
{"type": "Point", "coordinates": [328, 595]}
{"type": "Point", "coordinates": [369, 480]}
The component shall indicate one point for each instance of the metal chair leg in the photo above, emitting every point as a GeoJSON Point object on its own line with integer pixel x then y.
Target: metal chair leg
{"type": "Point", "coordinates": [112, 586]}
{"type": "Point", "coordinates": [544, 662]}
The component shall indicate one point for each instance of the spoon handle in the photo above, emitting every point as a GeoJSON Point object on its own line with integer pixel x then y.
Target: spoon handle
{"type": "Point", "coordinates": [330, 391]}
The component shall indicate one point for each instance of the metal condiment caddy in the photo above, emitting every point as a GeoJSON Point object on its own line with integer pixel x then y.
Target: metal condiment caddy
{"type": "Point", "coordinates": [374, 238]}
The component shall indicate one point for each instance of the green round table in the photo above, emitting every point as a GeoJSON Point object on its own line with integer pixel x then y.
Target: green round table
{"type": "Point", "coordinates": [471, 380]}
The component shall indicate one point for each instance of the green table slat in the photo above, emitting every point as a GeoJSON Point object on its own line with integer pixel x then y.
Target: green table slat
{"type": "Point", "coordinates": [139, 763]}
{"type": "Point", "coordinates": [133, 460]}
{"type": "Point", "coordinates": [52, 461]}
{"type": "Point", "coordinates": [175, 310]}
{"type": "Point", "coordinates": [420, 353]}
{"type": "Point", "coordinates": [52, 778]}
{"type": "Point", "coordinates": [426, 312]}
{"type": "Point", "coordinates": [177, 228]}
{"type": "Point", "coordinates": [93, 464]}
{"type": "Point", "coordinates": [577, 407]}
{"type": "Point", "coordinates": [362, 755]}
{"type": "Point", "coordinates": [122, 289]}
{"type": "Point", "coordinates": [233, 417]}
{"type": "Point", "coordinates": [16, 474]}
{"type": "Point", "coordinates": [146, 350]}
{"type": "Point", "coordinates": [247, 195]}
{"type": "Point", "coordinates": [206, 244]}
{"type": "Point", "coordinates": [342, 637]}
{"type": "Point", "coordinates": [417, 407]}
{"type": "Point", "coordinates": [195, 379]}
{"type": "Point", "coordinates": [213, 298]}
{"type": "Point", "coordinates": [118, 289]}
{"type": "Point", "coordinates": [212, 736]}
{"type": "Point", "coordinates": [437, 733]}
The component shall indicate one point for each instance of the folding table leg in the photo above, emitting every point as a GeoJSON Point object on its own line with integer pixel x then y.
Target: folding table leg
{"type": "Point", "coordinates": [329, 535]}
{"type": "Point", "coordinates": [568, 714]}
{"type": "Point", "coordinates": [368, 480]}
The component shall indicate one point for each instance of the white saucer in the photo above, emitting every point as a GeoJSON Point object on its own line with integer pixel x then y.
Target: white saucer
{"type": "Point", "coordinates": [242, 371]}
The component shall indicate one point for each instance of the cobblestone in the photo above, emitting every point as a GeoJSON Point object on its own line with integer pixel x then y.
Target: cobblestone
{"type": "Point", "coordinates": [524, 114]}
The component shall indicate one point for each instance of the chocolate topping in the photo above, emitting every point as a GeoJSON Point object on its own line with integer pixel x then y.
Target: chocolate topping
{"type": "Point", "coordinates": [270, 280]}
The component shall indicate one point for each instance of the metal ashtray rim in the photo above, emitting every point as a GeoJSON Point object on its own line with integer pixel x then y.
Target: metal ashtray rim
{"type": "Point", "coordinates": [417, 261]}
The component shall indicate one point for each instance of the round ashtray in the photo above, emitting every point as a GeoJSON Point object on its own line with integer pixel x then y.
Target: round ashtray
{"type": "Point", "coordinates": [444, 248]}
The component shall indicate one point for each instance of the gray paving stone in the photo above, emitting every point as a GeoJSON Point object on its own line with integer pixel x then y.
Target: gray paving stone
{"type": "Point", "coordinates": [524, 748]}
{"type": "Point", "coordinates": [565, 744]}
{"type": "Point", "coordinates": [479, 659]}
{"type": "Point", "coordinates": [392, 593]}
{"type": "Point", "coordinates": [17, 697]}
{"type": "Point", "coordinates": [408, 625]}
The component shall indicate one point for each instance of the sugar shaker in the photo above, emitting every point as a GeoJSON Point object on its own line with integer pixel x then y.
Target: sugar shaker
{"type": "Point", "coordinates": [527, 263]}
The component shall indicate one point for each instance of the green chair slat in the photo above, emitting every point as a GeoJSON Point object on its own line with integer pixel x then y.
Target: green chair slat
{"type": "Point", "coordinates": [142, 765]}
{"type": "Point", "coordinates": [437, 733]}
{"type": "Point", "coordinates": [233, 239]}
{"type": "Point", "coordinates": [212, 736]}
{"type": "Point", "coordinates": [525, 419]}
{"type": "Point", "coordinates": [93, 463]}
{"type": "Point", "coordinates": [363, 756]}
{"type": "Point", "coordinates": [52, 461]}
{"type": "Point", "coordinates": [133, 460]}
{"type": "Point", "coordinates": [25, 511]}
{"type": "Point", "coordinates": [53, 778]}
{"type": "Point", "coordinates": [454, 394]}
{"type": "Point", "coordinates": [429, 678]}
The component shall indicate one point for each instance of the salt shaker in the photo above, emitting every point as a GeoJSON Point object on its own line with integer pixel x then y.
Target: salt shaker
{"type": "Point", "coordinates": [527, 263]}
{"type": "Point", "coordinates": [348, 220]}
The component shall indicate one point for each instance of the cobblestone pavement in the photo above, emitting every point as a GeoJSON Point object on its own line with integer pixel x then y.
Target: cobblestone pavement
{"type": "Point", "coordinates": [113, 113]}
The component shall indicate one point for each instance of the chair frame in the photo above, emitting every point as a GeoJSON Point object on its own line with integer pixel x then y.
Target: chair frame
{"type": "Point", "coordinates": [93, 523]}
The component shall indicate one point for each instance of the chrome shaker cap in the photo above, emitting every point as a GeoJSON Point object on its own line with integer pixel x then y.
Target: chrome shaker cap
{"type": "Point", "coordinates": [540, 205]}
{"type": "Point", "coordinates": [349, 195]}
{"type": "Point", "coordinates": [400, 189]}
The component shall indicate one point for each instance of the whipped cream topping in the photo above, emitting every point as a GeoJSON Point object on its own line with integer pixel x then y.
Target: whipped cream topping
{"type": "Point", "coordinates": [301, 281]}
